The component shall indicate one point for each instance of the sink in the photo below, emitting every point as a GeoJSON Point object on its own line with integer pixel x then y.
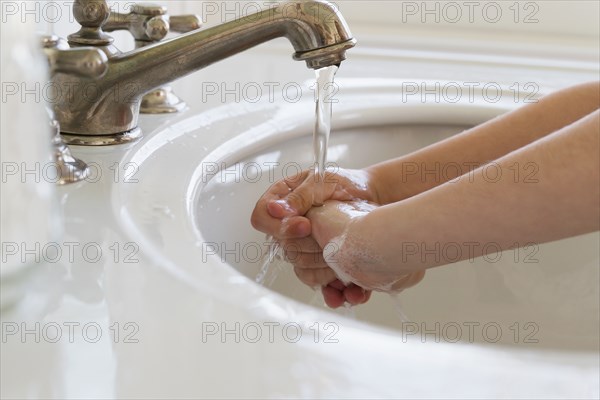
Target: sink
{"type": "Point", "coordinates": [199, 178]}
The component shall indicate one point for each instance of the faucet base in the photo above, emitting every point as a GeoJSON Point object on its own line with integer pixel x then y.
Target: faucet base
{"type": "Point", "coordinates": [102, 140]}
{"type": "Point", "coordinates": [161, 101]}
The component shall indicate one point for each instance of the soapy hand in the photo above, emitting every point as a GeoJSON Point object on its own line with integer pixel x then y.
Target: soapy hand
{"type": "Point", "coordinates": [347, 250]}
{"type": "Point", "coordinates": [281, 211]}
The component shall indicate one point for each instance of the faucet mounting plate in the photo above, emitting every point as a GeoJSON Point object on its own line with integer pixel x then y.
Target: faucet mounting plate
{"type": "Point", "coordinates": [102, 140]}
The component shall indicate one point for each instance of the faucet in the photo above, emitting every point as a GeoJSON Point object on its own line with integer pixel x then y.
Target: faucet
{"type": "Point", "coordinates": [104, 111]}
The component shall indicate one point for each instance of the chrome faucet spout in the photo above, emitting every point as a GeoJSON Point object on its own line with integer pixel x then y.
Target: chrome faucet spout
{"type": "Point", "coordinates": [316, 30]}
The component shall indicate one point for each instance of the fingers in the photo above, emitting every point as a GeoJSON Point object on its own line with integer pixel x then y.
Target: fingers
{"type": "Point", "coordinates": [278, 212]}
{"type": "Point", "coordinates": [356, 295]}
{"type": "Point", "coordinates": [315, 276]}
{"type": "Point", "coordinates": [301, 245]}
{"type": "Point", "coordinates": [336, 294]}
{"type": "Point", "coordinates": [309, 267]}
{"type": "Point", "coordinates": [288, 228]}
{"type": "Point", "coordinates": [307, 261]}
{"type": "Point", "coordinates": [287, 202]}
{"type": "Point", "coordinates": [312, 270]}
{"type": "Point", "coordinates": [294, 228]}
{"type": "Point", "coordinates": [261, 219]}
{"type": "Point", "coordinates": [294, 181]}
{"type": "Point", "coordinates": [277, 206]}
{"type": "Point", "coordinates": [292, 197]}
{"type": "Point", "coordinates": [301, 197]}
{"type": "Point", "coordinates": [333, 297]}
{"type": "Point", "coordinates": [276, 221]}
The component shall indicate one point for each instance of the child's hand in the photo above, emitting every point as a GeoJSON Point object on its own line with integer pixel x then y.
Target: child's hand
{"type": "Point", "coordinates": [347, 249]}
{"type": "Point", "coordinates": [280, 212]}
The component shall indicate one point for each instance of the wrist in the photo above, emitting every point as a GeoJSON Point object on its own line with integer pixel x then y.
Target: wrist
{"type": "Point", "coordinates": [390, 232]}
{"type": "Point", "coordinates": [390, 184]}
{"type": "Point", "coordinates": [379, 184]}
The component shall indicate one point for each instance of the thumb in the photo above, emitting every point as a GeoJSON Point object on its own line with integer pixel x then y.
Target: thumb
{"type": "Point", "coordinates": [297, 202]}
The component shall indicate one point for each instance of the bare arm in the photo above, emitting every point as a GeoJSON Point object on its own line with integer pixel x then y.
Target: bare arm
{"type": "Point", "coordinates": [486, 142]}
{"type": "Point", "coordinates": [474, 210]}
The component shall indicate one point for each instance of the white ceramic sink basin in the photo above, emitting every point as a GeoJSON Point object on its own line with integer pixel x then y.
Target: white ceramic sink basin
{"type": "Point", "coordinates": [200, 178]}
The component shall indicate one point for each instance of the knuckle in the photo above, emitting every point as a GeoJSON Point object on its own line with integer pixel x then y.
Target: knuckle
{"type": "Point", "coordinates": [292, 246]}
{"type": "Point", "coordinates": [308, 277]}
{"type": "Point", "coordinates": [296, 178]}
{"type": "Point", "coordinates": [299, 197]}
{"type": "Point", "coordinates": [331, 177]}
{"type": "Point", "coordinates": [311, 279]}
{"type": "Point", "coordinates": [292, 256]}
{"type": "Point", "coordinates": [304, 261]}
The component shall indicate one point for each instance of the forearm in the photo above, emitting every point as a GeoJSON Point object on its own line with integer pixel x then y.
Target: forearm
{"type": "Point", "coordinates": [477, 209]}
{"type": "Point", "coordinates": [407, 176]}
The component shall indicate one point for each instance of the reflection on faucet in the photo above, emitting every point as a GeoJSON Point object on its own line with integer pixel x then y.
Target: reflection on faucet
{"type": "Point", "coordinates": [105, 111]}
{"type": "Point", "coordinates": [69, 169]}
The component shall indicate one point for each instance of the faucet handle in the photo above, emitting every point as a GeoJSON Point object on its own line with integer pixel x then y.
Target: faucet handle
{"type": "Point", "coordinates": [146, 22]}
{"type": "Point", "coordinates": [185, 23]}
{"type": "Point", "coordinates": [91, 15]}
{"type": "Point", "coordinates": [149, 23]}
{"type": "Point", "coordinates": [86, 62]}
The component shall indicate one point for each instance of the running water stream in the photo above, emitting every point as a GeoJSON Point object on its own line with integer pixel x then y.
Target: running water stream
{"type": "Point", "coordinates": [324, 100]}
